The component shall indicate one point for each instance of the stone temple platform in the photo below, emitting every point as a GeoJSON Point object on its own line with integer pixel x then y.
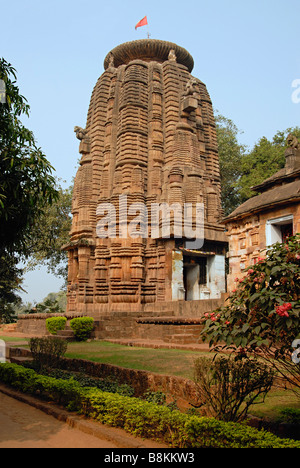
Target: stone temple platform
{"type": "Point", "coordinates": [168, 323]}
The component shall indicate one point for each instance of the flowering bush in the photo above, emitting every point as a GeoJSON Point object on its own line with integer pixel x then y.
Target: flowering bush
{"type": "Point", "coordinates": [263, 312]}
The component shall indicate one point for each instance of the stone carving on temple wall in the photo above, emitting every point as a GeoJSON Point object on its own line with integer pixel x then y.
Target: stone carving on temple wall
{"type": "Point", "coordinates": [80, 133]}
{"type": "Point", "coordinates": [150, 136]}
{"type": "Point", "coordinates": [172, 56]}
{"type": "Point", "coordinates": [292, 141]}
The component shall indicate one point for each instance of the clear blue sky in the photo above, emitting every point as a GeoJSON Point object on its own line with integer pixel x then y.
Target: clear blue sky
{"type": "Point", "coordinates": [246, 52]}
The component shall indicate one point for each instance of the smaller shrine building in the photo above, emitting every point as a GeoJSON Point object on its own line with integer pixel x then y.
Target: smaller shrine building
{"type": "Point", "coordinates": [267, 218]}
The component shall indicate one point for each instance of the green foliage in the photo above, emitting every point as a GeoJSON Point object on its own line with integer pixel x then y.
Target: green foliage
{"type": "Point", "coordinates": [228, 387]}
{"type": "Point", "coordinates": [10, 284]}
{"type": "Point", "coordinates": [104, 384]}
{"type": "Point", "coordinates": [139, 417]}
{"type": "Point", "coordinates": [82, 327]}
{"type": "Point", "coordinates": [242, 168]}
{"type": "Point", "coordinates": [159, 398]}
{"type": "Point", "coordinates": [26, 183]}
{"type": "Point", "coordinates": [54, 324]}
{"type": "Point", "coordinates": [47, 351]}
{"type": "Point", "coordinates": [50, 233]}
{"type": "Point", "coordinates": [265, 159]}
{"type": "Point", "coordinates": [54, 303]}
{"type": "Point", "coordinates": [50, 306]}
{"type": "Point", "coordinates": [26, 188]}
{"type": "Point", "coordinates": [291, 415]}
{"type": "Point", "coordinates": [231, 154]}
{"type": "Point", "coordinates": [263, 313]}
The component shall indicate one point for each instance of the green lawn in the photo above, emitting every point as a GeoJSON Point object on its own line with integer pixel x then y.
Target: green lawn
{"type": "Point", "coordinates": [174, 362]}
{"type": "Point", "coordinates": [276, 400]}
{"type": "Point", "coordinates": [12, 338]}
{"type": "Point", "coordinates": [164, 361]}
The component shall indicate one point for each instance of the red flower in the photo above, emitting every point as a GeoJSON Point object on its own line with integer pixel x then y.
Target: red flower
{"type": "Point", "coordinates": [282, 310]}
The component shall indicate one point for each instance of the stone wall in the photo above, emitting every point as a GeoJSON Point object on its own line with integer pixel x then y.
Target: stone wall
{"type": "Point", "coordinates": [248, 237]}
{"type": "Point", "coordinates": [140, 380]}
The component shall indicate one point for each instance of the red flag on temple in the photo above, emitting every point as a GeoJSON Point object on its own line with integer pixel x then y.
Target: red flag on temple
{"type": "Point", "coordinates": [143, 22]}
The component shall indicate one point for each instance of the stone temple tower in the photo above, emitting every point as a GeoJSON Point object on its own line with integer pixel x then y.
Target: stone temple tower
{"type": "Point", "coordinates": [150, 140]}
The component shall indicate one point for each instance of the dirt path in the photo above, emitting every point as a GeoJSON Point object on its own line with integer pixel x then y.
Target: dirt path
{"type": "Point", "coordinates": [29, 423]}
{"type": "Point", "coordinates": [22, 426]}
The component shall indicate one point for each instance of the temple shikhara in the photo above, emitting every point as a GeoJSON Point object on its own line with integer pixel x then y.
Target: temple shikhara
{"type": "Point", "coordinates": [149, 140]}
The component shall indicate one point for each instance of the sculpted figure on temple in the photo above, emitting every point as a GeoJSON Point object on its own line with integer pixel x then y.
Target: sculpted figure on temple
{"type": "Point", "coordinates": [111, 62]}
{"type": "Point", "coordinates": [292, 141]}
{"type": "Point", "coordinates": [190, 89]}
{"type": "Point", "coordinates": [172, 56]}
{"type": "Point", "coordinates": [81, 133]}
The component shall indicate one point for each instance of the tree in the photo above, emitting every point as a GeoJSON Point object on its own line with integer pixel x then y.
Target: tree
{"type": "Point", "coordinates": [50, 233]}
{"type": "Point", "coordinates": [265, 159]}
{"type": "Point", "coordinates": [263, 313]}
{"type": "Point", "coordinates": [231, 155]}
{"type": "Point", "coordinates": [26, 185]}
{"type": "Point", "coordinates": [10, 283]}
{"type": "Point", "coordinates": [26, 182]}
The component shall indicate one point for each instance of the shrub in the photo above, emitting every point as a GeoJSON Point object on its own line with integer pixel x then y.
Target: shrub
{"type": "Point", "coordinates": [54, 324]}
{"type": "Point", "coordinates": [139, 417]}
{"type": "Point", "coordinates": [291, 415]}
{"type": "Point", "coordinates": [82, 327]}
{"type": "Point", "coordinates": [228, 387]}
{"type": "Point", "coordinates": [106, 385]}
{"type": "Point", "coordinates": [263, 313]}
{"type": "Point", "coordinates": [47, 351]}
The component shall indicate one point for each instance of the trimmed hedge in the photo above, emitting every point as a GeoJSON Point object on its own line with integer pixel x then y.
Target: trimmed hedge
{"type": "Point", "coordinates": [54, 324]}
{"type": "Point", "coordinates": [139, 417]}
{"type": "Point", "coordinates": [82, 327]}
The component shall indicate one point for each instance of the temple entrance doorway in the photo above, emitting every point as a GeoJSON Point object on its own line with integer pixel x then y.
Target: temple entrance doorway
{"type": "Point", "coordinates": [195, 278]}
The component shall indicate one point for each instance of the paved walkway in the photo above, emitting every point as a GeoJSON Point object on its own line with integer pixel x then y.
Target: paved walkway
{"type": "Point", "coordinates": [22, 426]}
{"type": "Point", "coordinates": [26, 422]}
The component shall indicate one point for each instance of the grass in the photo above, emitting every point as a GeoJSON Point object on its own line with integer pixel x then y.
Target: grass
{"type": "Point", "coordinates": [168, 361]}
{"type": "Point", "coordinates": [276, 400]}
{"type": "Point", "coordinates": [163, 361]}
{"type": "Point", "coordinates": [13, 338]}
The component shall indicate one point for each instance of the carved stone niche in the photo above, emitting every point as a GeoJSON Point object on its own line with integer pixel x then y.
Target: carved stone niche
{"type": "Point", "coordinates": [189, 104]}
{"type": "Point", "coordinates": [190, 101]}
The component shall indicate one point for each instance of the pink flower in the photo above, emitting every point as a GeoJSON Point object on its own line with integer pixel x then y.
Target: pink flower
{"type": "Point", "coordinates": [250, 271]}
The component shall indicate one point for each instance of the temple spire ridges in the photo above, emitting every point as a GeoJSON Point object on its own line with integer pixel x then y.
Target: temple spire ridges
{"type": "Point", "coordinates": [150, 138]}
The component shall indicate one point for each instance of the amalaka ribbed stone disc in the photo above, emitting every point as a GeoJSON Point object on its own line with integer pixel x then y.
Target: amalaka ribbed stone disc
{"type": "Point", "coordinates": [149, 50]}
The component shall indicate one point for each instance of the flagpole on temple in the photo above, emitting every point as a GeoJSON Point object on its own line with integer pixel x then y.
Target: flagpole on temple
{"type": "Point", "coordinates": [143, 22]}
{"type": "Point", "coordinates": [148, 33]}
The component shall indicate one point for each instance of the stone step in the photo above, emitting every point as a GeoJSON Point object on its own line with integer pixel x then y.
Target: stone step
{"type": "Point", "coordinates": [9, 328]}
{"type": "Point", "coordinates": [20, 359]}
{"type": "Point", "coordinates": [181, 338]}
{"type": "Point", "coordinates": [194, 321]}
{"type": "Point", "coordinates": [67, 335]}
